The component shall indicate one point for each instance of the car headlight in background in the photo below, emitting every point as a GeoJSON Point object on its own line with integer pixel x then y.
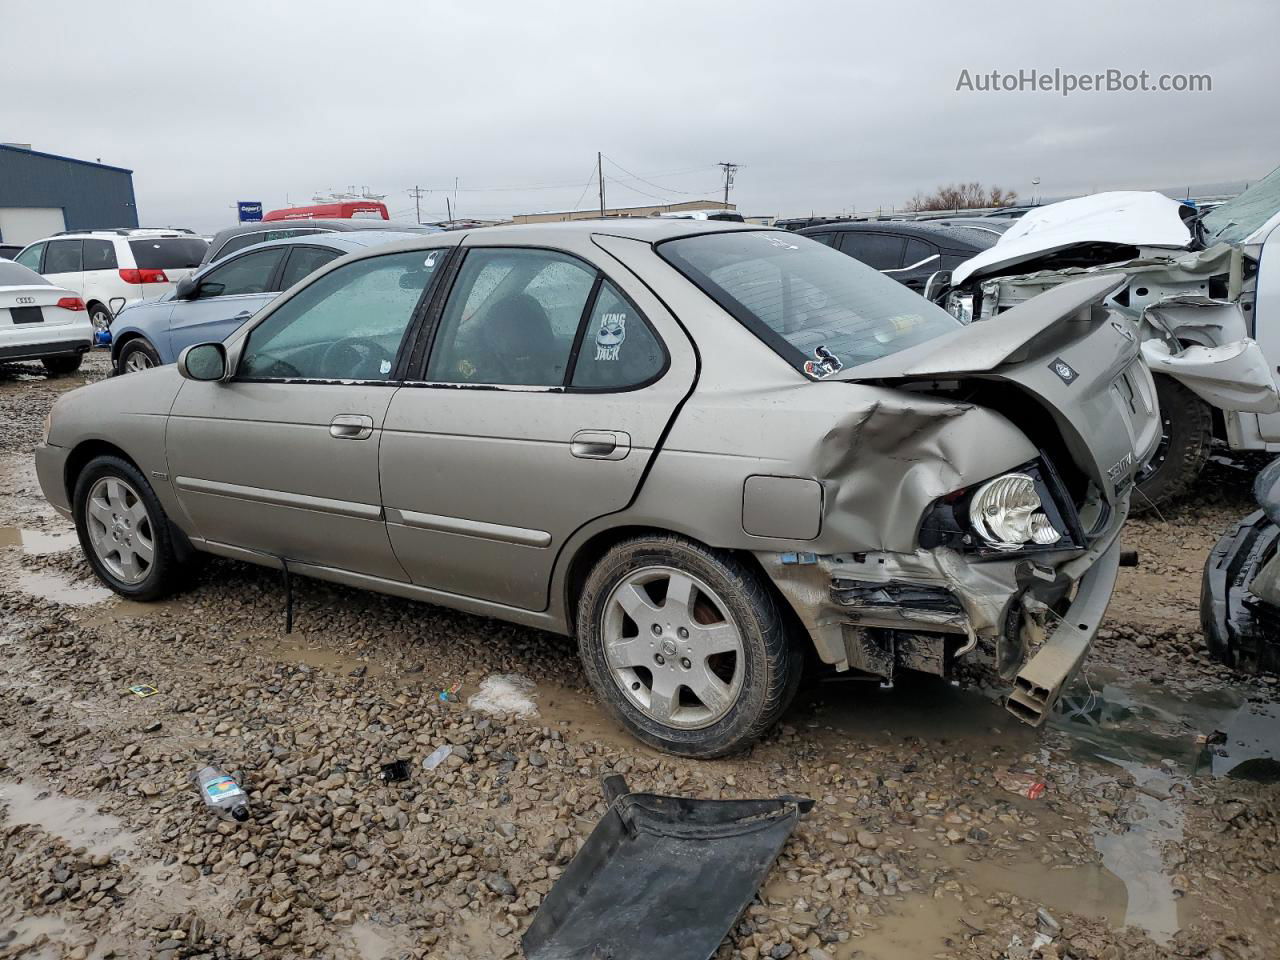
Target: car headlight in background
{"type": "Point", "coordinates": [1006, 513]}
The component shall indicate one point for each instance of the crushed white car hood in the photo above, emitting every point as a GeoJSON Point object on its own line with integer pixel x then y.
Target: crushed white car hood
{"type": "Point", "coordinates": [1136, 218]}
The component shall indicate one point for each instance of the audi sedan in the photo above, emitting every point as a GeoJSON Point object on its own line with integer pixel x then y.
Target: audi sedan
{"type": "Point", "coordinates": [698, 447]}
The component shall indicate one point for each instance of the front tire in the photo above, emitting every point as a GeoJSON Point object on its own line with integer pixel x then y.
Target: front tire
{"type": "Point", "coordinates": [1185, 443]}
{"type": "Point", "coordinates": [136, 356]}
{"type": "Point", "coordinates": [686, 646]}
{"type": "Point", "coordinates": [60, 366]}
{"type": "Point", "coordinates": [124, 531]}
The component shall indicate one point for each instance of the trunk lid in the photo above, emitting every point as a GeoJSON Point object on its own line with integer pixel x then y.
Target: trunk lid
{"type": "Point", "coordinates": [19, 305]}
{"type": "Point", "coordinates": [1079, 361]}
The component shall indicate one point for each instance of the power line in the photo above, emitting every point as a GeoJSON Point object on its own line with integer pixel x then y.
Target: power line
{"type": "Point", "coordinates": [658, 185]}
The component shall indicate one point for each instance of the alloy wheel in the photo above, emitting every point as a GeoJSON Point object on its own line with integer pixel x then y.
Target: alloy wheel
{"type": "Point", "coordinates": [120, 530]}
{"type": "Point", "coordinates": [137, 361]}
{"type": "Point", "coordinates": [672, 647]}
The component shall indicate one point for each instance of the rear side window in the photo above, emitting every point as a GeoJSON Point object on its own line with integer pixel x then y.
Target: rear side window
{"type": "Point", "coordinates": [168, 253]}
{"type": "Point", "coordinates": [100, 255]}
{"type": "Point", "coordinates": [828, 238]}
{"type": "Point", "coordinates": [303, 261]}
{"type": "Point", "coordinates": [879, 250]}
{"type": "Point", "coordinates": [918, 251]}
{"type": "Point", "coordinates": [63, 256]}
{"type": "Point", "coordinates": [618, 349]}
{"type": "Point", "coordinates": [511, 318]}
{"type": "Point", "coordinates": [239, 243]}
{"type": "Point", "coordinates": [251, 273]}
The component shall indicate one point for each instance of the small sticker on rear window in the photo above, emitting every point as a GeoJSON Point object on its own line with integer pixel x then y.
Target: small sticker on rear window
{"type": "Point", "coordinates": [824, 364]}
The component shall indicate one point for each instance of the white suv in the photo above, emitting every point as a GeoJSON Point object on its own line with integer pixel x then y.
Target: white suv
{"type": "Point", "coordinates": [112, 268]}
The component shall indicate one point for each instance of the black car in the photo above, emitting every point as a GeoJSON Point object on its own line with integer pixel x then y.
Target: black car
{"type": "Point", "coordinates": [910, 251]}
{"type": "Point", "coordinates": [10, 250]}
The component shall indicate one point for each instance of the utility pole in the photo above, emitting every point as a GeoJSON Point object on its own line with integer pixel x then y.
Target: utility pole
{"type": "Point", "coordinates": [448, 207]}
{"type": "Point", "coordinates": [600, 176]}
{"type": "Point", "coordinates": [416, 193]}
{"type": "Point", "coordinates": [729, 169]}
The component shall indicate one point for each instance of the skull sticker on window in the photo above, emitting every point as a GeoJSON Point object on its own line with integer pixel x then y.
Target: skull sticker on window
{"type": "Point", "coordinates": [610, 335]}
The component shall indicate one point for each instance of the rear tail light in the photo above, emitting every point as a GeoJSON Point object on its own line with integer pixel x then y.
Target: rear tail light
{"type": "Point", "coordinates": [71, 303]}
{"type": "Point", "coordinates": [143, 276]}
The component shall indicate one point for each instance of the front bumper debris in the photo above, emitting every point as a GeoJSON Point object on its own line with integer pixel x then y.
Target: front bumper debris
{"type": "Point", "coordinates": [1241, 628]}
{"type": "Point", "coordinates": [661, 877]}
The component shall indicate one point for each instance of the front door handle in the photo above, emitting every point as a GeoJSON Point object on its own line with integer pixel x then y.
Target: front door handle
{"type": "Point", "coordinates": [600, 444]}
{"type": "Point", "coordinates": [243, 315]}
{"type": "Point", "coordinates": [351, 426]}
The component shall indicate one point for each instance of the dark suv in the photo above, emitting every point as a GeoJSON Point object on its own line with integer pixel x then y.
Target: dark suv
{"type": "Point", "coordinates": [910, 251]}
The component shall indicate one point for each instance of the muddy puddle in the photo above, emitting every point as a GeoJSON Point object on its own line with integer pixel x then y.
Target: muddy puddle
{"type": "Point", "coordinates": [37, 543]}
{"type": "Point", "coordinates": [1217, 732]}
{"type": "Point", "coordinates": [60, 587]}
{"type": "Point", "coordinates": [76, 821]}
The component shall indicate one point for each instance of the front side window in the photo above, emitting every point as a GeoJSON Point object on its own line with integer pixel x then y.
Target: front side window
{"type": "Point", "coordinates": [511, 318]}
{"type": "Point", "coordinates": [63, 256]}
{"type": "Point", "coordinates": [798, 296]}
{"type": "Point", "coordinates": [346, 325]}
{"type": "Point", "coordinates": [30, 257]}
{"type": "Point", "coordinates": [618, 349]}
{"type": "Point", "coordinates": [251, 273]}
{"type": "Point", "coordinates": [100, 255]}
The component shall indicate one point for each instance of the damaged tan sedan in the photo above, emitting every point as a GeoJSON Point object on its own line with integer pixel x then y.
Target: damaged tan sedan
{"type": "Point", "coordinates": [698, 447]}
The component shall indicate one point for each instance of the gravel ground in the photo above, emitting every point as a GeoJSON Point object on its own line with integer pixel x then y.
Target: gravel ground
{"type": "Point", "coordinates": [1137, 850]}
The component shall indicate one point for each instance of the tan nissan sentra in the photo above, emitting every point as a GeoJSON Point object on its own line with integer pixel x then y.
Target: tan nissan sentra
{"type": "Point", "coordinates": [698, 447]}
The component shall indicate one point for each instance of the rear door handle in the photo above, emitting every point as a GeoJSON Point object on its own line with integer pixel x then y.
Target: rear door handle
{"type": "Point", "coordinates": [351, 426]}
{"type": "Point", "coordinates": [243, 315]}
{"type": "Point", "coordinates": [600, 444]}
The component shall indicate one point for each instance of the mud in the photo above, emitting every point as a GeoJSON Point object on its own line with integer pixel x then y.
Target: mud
{"type": "Point", "coordinates": [1157, 836]}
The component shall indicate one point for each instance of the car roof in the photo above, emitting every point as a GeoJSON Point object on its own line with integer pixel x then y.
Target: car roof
{"type": "Point", "coordinates": [344, 242]}
{"type": "Point", "coordinates": [648, 229]}
{"type": "Point", "coordinates": [327, 226]}
{"type": "Point", "coordinates": [968, 237]}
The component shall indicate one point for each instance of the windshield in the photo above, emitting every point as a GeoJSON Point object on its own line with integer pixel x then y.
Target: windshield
{"type": "Point", "coordinates": [820, 309]}
{"type": "Point", "coordinates": [164, 253]}
{"type": "Point", "coordinates": [1236, 219]}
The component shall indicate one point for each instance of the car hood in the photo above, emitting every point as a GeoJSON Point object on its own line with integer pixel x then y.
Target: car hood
{"type": "Point", "coordinates": [1135, 218]}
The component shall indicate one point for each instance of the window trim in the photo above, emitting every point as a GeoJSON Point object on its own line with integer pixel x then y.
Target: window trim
{"type": "Point", "coordinates": [406, 342]}
{"type": "Point", "coordinates": [430, 332]}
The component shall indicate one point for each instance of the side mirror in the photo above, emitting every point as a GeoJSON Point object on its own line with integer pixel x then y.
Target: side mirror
{"type": "Point", "coordinates": [186, 288]}
{"type": "Point", "coordinates": [937, 285]}
{"type": "Point", "coordinates": [203, 361]}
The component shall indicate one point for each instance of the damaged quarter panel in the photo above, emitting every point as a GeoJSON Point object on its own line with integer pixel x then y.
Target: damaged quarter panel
{"type": "Point", "coordinates": [889, 426]}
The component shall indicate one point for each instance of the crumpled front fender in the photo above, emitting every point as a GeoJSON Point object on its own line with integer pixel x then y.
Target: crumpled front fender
{"type": "Point", "coordinates": [1234, 376]}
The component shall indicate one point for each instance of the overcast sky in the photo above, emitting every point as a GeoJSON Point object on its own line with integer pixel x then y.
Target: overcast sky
{"type": "Point", "coordinates": [826, 105]}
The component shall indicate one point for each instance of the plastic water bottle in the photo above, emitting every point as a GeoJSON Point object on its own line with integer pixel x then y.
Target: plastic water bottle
{"type": "Point", "coordinates": [222, 794]}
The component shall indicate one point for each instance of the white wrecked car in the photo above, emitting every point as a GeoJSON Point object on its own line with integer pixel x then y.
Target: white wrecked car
{"type": "Point", "coordinates": [1206, 297]}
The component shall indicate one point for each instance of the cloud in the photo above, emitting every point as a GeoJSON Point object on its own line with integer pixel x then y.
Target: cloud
{"type": "Point", "coordinates": [827, 105]}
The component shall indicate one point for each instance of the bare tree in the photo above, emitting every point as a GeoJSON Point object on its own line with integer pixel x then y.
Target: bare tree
{"type": "Point", "coordinates": [962, 196]}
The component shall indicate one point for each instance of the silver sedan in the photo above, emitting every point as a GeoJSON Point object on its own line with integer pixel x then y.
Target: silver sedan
{"type": "Point", "coordinates": [698, 447]}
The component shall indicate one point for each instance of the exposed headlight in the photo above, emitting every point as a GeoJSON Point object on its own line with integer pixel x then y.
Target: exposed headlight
{"type": "Point", "coordinates": [960, 306]}
{"type": "Point", "coordinates": [1006, 513]}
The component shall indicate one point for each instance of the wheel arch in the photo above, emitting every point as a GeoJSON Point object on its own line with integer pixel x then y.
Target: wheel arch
{"type": "Point", "coordinates": [80, 457]}
{"type": "Point", "coordinates": [589, 553]}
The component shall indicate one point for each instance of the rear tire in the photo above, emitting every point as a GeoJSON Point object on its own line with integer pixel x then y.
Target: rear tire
{"type": "Point", "coordinates": [99, 316]}
{"type": "Point", "coordinates": [686, 646]}
{"type": "Point", "coordinates": [124, 531]}
{"type": "Point", "coordinates": [1187, 438]}
{"type": "Point", "coordinates": [60, 366]}
{"type": "Point", "coordinates": [136, 356]}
